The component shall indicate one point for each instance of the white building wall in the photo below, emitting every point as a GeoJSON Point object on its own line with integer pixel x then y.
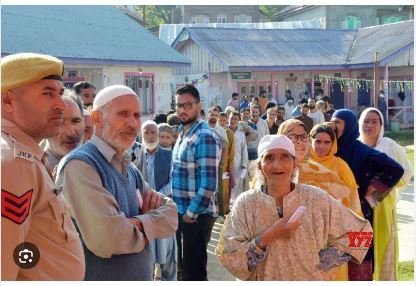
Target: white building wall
{"type": "Point", "coordinates": [403, 60]}
{"type": "Point", "coordinates": [202, 61]}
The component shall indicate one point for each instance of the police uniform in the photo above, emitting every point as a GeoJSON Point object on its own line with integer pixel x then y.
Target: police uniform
{"type": "Point", "coordinates": [32, 208]}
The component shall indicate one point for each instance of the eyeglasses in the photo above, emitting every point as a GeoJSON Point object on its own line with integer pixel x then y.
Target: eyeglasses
{"type": "Point", "coordinates": [186, 105]}
{"type": "Point", "coordinates": [295, 138]}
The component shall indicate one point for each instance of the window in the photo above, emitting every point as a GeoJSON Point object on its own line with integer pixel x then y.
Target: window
{"type": "Point", "coordinates": [242, 18]}
{"type": "Point", "coordinates": [350, 23]}
{"type": "Point", "coordinates": [199, 19]}
{"type": "Point", "coordinates": [390, 20]}
{"type": "Point", "coordinates": [221, 18]}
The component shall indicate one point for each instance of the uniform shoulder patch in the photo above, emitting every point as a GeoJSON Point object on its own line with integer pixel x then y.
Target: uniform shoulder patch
{"type": "Point", "coordinates": [15, 208]}
{"type": "Point", "coordinates": [23, 154]}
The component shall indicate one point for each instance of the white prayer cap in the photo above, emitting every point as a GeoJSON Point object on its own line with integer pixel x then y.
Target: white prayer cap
{"type": "Point", "coordinates": [229, 108]}
{"type": "Point", "coordinates": [270, 142]}
{"type": "Point", "coordinates": [85, 113]}
{"type": "Point", "coordinates": [109, 93]}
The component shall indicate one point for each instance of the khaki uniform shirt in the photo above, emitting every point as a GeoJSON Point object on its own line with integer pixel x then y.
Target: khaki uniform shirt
{"type": "Point", "coordinates": [33, 211]}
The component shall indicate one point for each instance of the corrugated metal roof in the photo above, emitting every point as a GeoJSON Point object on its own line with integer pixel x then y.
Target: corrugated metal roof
{"type": "Point", "coordinates": [386, 39]}
{"type": "Point", "coordinates": [82, 32]}
{"type": "Point", "coordinates": [242, 47]}
{"type": "Point", "coordinates": [301, 47]}
{"type": "Point", "coordinates": [169, 32]}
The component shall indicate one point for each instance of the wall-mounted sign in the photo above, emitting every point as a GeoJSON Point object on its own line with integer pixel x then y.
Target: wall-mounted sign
{"type": "Point", "coordinates": [241, 75]}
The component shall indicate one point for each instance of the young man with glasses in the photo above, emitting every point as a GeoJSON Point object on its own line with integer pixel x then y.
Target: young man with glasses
{"type": "Point", "coordinates": [194, 183]}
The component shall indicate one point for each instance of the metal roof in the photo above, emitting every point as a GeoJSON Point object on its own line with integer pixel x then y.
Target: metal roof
{"type": "Point", "coordinates": [304, 47]}
{"type": "Point", "coordinates": [282, 49]}
{"type": "Point", "coordinates": [169, 32]}
{"type": "Point", "coordinates": [83, 34]}
{"type": "Point", "coordinates": [386, 39]}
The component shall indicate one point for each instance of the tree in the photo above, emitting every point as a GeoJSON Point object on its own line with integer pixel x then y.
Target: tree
{"type": "Point", "coordinates": [270, 11]}
{"type": "Point", "coordinates": [154, 15]}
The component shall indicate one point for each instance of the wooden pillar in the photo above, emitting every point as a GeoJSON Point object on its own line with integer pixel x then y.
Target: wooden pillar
{"type": "Point", "coordinates": [312, 85]}
{"type": "Point", "coordinates": [386, 91]}
{"type": "Point", "coordinates": [376, 80]}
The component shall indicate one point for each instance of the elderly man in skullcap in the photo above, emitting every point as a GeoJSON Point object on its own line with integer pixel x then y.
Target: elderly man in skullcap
{"type": "Point", "coordinates": [115, 210]}
{"type": "Point", "coordinates": [38, 241]}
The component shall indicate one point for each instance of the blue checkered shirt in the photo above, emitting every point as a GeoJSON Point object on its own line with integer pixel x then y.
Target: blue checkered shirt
{"type": "Point", "coordinates": [196, 158]}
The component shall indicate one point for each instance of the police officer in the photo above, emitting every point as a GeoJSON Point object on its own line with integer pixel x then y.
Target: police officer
{"type": "Point", "coordinates": [33, 210]}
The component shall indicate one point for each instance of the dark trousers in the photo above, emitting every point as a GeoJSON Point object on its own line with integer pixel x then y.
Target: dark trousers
{"type": "Point", "coordinates": [195, 238]}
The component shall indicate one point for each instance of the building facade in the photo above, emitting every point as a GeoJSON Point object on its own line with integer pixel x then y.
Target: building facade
{"type": "Point", "coordinates": [195, 14]}
{"type": "Point", "coordinates": [100, 44]}
{"type": "Point", "coordinates": [306, 62]}
{"type": "Point", "coordinates": [348, 16]}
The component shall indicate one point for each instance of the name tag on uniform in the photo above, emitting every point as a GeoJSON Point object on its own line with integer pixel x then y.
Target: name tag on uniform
{"type": "Point", "coordinates": [139, 198]}
{"type": "Point", "coordinates": [23, 155]}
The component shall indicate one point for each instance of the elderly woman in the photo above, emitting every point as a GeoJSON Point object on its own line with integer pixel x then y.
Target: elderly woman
{"type": "Point", "coordinates": [375, 172]}
{"type": "Point", "coordinates": [309, 172]}
{"type": "Point", "coordinates": [262, 239]}
{"type": "Point", "coordinates": [386, 248]}
{"type": "Point", "coordinates": [324, 146]}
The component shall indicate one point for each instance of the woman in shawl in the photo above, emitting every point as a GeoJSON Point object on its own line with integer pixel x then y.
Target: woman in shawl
{"type": "Point", "coordinates": [309, 172]}
{"type": "Point", "coordinates": [262, 239]}
{"type": "Point", "coordinates": [324, 146]}
{"type": "Point", "coordinates": [386, 248]}
{"type": "Point", "coordinates": [375, 172]}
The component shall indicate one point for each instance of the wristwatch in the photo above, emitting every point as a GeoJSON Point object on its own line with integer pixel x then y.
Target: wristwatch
{"type": "Point", "coordinates": [258, 243]}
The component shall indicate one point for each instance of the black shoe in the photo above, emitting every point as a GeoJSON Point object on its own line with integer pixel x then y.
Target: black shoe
{"type": "Point", "coordinates": [179, 275]}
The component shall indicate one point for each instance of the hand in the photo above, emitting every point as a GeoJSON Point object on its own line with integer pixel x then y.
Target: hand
{"type": "Point", "coordinates": [152, 200]}
{"type": "Point", "coordinates": [138, 223]}
{"type": "Point", "coordinates": [187, 219]}
{"type": "Point", "coordinates": [280, 228]}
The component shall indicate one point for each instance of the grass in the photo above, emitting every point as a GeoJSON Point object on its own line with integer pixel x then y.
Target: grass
{"type": "Point", "coordinates": [403, 137]}
{"type": "Point", "coordinates": [406, 271]}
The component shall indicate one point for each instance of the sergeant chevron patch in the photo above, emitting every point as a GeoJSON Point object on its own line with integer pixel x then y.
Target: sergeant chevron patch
{"type": "Point", "coordinates": [15, 208]}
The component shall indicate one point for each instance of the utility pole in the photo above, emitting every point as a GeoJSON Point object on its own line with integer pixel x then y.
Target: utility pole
{"type": "Point", "coordinates": [376, 80]}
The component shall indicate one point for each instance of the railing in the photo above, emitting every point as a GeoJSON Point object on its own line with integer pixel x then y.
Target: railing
{"type": "Point", "coordinates": [405, 122]}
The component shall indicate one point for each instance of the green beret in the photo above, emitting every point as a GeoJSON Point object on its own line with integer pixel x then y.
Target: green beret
{"type": "Point", "coordinates": [26, 68]}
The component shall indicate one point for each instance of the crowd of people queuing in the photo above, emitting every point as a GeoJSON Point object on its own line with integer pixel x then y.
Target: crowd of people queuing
{"type": "Point", "coordinates": [103, 196]}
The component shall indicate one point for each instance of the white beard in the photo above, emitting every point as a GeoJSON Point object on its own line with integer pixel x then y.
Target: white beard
{"type": "Point", "coordinates": [150, 146]}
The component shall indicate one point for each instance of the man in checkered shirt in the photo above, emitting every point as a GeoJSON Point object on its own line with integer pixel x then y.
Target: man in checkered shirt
{"type": "Point", "coordinates": [196, 158]}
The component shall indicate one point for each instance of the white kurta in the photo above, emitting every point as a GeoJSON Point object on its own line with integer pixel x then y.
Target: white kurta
{"type": "Point", "coordinates": [240, 162]}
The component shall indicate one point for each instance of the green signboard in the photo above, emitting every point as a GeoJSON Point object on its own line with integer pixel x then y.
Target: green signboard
{"type": "Point", "coordinates": [241, 75]}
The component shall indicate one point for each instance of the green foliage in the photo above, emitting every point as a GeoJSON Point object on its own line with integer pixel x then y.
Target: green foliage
{"type": "Point", "coordinates": [155, 15]}
{"type": "Point", "coordinates": [270, 11]}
